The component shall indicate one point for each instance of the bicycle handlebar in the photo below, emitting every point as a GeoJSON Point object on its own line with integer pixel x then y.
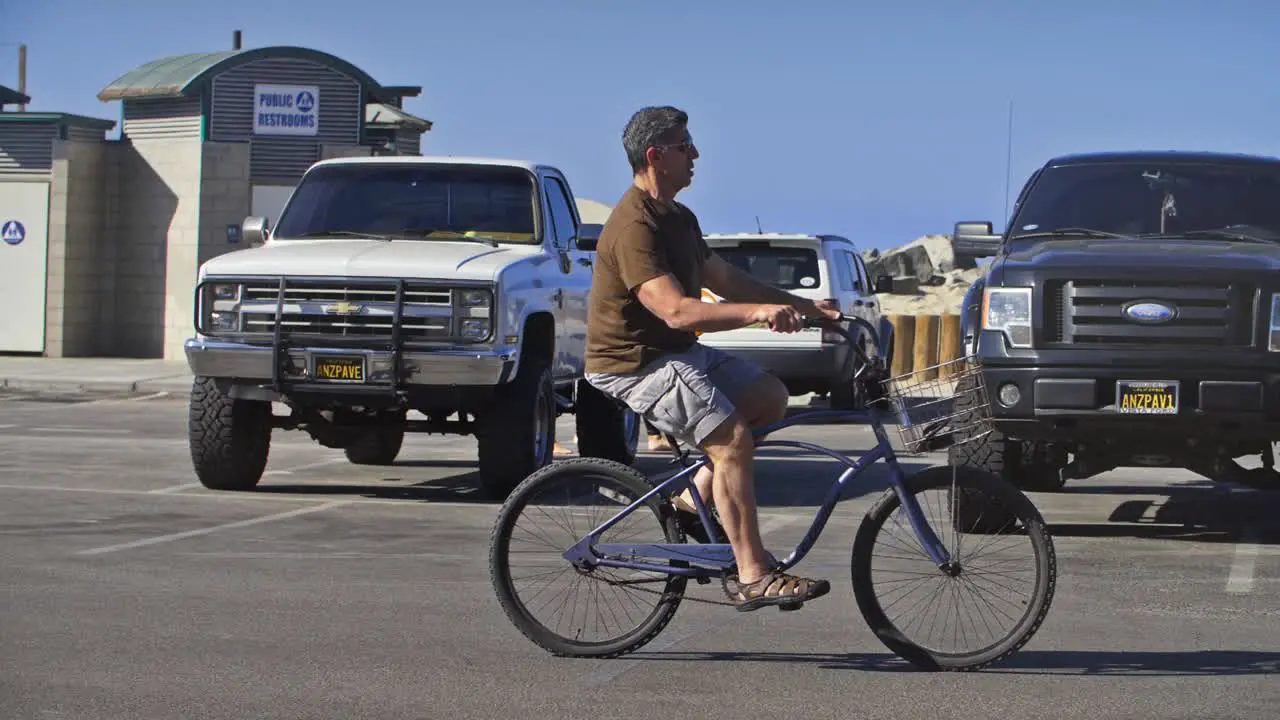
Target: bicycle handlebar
{"type": "Point", "coordinates": [879, 338]}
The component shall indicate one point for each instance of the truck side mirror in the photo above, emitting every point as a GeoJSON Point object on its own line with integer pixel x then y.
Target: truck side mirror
{"type": "Point", "coordinates": [974, 240]}
{"type": "Point", "coordinates": [589, 236]}
{"type": "Point", "coordinates": [254, 231]}
{"type": "Point", "coordinates": [884, 285]}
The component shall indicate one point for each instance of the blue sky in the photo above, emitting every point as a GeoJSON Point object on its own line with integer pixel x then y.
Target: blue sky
{"type": "Point", "coordinates": [881, 121]}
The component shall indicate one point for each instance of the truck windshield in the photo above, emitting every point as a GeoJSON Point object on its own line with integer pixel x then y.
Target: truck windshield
{"type": "Point", "coordinates": [412, 201]}
{"type": "Point", "coordinates": [1155, 198]}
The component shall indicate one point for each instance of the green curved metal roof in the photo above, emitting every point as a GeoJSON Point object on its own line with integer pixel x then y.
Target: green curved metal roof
{"type": "Point", "coordinates": [180, 75]}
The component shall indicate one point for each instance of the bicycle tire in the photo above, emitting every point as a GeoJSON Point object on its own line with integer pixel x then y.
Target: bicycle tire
{"type": "Point", "coordinates": [940, 477]}
{"type": "Point", "coordinates": [629, 479]}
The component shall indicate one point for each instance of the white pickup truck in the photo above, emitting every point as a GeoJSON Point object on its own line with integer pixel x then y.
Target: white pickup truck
{"type": "Point", "coordinates": [455, 288]}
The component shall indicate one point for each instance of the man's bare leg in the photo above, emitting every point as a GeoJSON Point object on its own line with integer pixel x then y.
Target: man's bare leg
{"type": "Point", "coordinates": [764, 404]}
{"type": "Point", "coordinates": [731, 448]}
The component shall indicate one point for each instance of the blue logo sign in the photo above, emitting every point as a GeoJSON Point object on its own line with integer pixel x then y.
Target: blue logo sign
{"type": "Point", "coordinates": [12, 232]}
{"type": "Point", "coordinates": [1149, 313]}
{"type": "Point", "coordinates": [305, 101]}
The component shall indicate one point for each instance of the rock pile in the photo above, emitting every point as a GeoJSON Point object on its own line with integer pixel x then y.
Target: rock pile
{"type": "Point", "coordinates": [927, 278]}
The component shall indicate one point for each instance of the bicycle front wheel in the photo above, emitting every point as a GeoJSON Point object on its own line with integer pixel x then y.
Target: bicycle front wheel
{"type": "Point", "coordinates": [904, 578]}
{"type": "Point", "coordinates": [597, 612]}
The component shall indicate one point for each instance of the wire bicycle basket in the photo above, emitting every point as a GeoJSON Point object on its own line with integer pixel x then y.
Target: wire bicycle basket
{"type": "Point", "coordinates": [940, 406]}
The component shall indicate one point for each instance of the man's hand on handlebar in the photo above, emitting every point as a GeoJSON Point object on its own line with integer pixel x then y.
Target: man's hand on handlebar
{"type": "Point", "coordinates": [788, 319]}
{"type": "Point", "coordinates": [779, 318]}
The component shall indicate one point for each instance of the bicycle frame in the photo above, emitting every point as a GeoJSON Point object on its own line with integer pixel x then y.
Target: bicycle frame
{"type": "Point", "coordinates": [716, 558]}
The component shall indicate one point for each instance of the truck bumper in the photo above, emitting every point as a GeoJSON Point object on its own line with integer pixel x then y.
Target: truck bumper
{"type": "Point", "coordinates": [1096, 402]}
{"type": "Point", "coordinates": [436, 368]}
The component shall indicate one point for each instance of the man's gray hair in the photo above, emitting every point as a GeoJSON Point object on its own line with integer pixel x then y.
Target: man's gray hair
{"type": "Point", "coordinates": [652, 126]}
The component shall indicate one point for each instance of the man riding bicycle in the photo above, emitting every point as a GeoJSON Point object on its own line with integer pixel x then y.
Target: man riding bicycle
{"type": "Point", "coordinates": [642, 348]}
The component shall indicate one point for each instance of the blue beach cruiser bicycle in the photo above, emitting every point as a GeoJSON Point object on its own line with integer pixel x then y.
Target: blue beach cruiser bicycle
{"type": "Point", "coordinates": [588, 519]}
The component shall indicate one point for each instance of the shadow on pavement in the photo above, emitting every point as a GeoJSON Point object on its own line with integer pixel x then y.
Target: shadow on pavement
{"type": "Point", "coordinates": [789, 479]}
{"type": "Point", "coordinates": [1192, 513]}
{"type": "Point", "coordinates": [1174, 663]}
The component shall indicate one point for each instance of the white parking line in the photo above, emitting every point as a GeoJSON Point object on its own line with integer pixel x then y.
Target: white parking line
{"type": "Point", "coordinates": [1240, 579]}
{"type": "Point", "coordinates": [216, 528]}
{"type": "Point", "coordinates": [308, 466]}
{"type": "Point", "coordinates": [174, 489]}
{"type": "Point", "coordinates": [75, 429]}
{"type": "Point", "coordinates": [121, 401]}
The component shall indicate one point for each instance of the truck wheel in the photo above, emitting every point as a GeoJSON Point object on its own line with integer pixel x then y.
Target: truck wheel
{"type": "Point", "coordinates": [1027, 464]}
{"type": "Point", "coordinates": [606, 428]}
{"type": "Point", "coordinates": [985, 453]}
{"type": "Point", "coordinates": [376, 446]}
{"type": "Point", "coordinates": [230, 439]}
{"type": "Point", "coordinates": [518, 435]}
{"type": "Point", "coordinates": [845, 394]}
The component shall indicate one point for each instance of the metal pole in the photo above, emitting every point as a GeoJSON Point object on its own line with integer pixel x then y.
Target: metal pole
{"type": "Point", "coordinates": [22, 75]}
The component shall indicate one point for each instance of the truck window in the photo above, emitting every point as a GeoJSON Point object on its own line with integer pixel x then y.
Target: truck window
{"type": "Point", "coordinates": [417, 201]}
{"type": "Point", "coordinates": [561, 214]}
{"type": "Point", "coordinates": [1134, 198]}
{"type": "Point", "coordinates": [787, 268]}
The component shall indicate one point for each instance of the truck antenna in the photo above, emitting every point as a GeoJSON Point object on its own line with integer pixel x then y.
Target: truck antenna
{"type": "Point", "coordinates": [1008, 160]}
{"type": "Point", "coordinates": [758, 229]}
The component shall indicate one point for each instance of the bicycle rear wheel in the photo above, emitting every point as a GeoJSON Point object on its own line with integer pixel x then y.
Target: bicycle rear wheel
{"type": "Point", "coordinates": [887, 523]}
{"type": "Point", "coordinates": [571, 498]}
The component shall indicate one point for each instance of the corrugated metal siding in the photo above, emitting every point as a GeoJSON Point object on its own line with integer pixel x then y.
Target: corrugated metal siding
{"type": "Point", "coordinates": [84, 134]}
{"type": "Point", "coordinates": [408, 142]}
{"type": "Point", "coordinates": [162, 118]}
{"type": "Point", "coordinates": [284, 158]}
{"type": "Point", "coordinates": [281, 159]}
{"type": "Point", "coordinates": [26, 149]}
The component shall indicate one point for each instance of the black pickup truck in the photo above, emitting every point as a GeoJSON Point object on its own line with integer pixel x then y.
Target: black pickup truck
{"type": "Point", "coordinates": [1130, 316]}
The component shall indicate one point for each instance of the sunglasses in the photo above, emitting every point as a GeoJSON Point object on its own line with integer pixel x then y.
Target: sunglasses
{"type": "Point", "coordinates": [681, 146]}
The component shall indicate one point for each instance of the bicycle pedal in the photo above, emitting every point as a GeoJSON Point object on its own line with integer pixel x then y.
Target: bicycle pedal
{"type": "Point", "coordinates": [703, 580]}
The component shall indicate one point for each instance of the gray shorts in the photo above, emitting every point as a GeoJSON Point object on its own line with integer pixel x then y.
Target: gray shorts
{"type": "Point", "coordinates": [687, 394]}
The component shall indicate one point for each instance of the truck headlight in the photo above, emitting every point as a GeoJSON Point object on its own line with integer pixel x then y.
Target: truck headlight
{"type": "Point", "coordinates": [1008, 310]}
{"type": "Point", "coordinates": [473, 298]}
{"type": "Point", "coordinates": [1273, 325]}
{"type": "Point", "coordinates": [476, 329]}
{"type": "Point", "coordinates": [226, 292]}
{"type": "Point", "coordinates": [219, 308]}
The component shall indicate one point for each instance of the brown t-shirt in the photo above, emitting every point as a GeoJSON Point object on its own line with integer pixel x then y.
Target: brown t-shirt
{"type": "Point", "coordinates": [643, 239]}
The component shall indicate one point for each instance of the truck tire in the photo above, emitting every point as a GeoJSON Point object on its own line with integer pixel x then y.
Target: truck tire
{"type": "Point", "coordinates": [230, 439]}
{"type": "Point", "coordinates": [1027, 464]}
{"type": "Point", "coordinates": [378, 445]}
{"type": "Point", "coordinates": [606, 428]}
{"type": "Point", "coordinates": [846, 394]}
{"type": "Point", "coordinates": [517, 436]}
{"type": "Point", "coordinates": [1023, 464]}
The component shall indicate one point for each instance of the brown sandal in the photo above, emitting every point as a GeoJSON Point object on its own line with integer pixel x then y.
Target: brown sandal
{"type": "Point", "coordinates": [788, 592]}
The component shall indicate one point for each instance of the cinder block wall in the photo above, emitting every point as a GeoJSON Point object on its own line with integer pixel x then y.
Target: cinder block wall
{"type": "Point", "coordinates": [81, 277]}
{"type": "Point", "coordinates": [158, 245]}
{"type": "Point", "coordinates": [225, 198]}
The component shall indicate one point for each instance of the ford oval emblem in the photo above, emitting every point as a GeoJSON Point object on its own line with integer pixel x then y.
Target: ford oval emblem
{"type": "Point", "coordinates": [1149, 312]}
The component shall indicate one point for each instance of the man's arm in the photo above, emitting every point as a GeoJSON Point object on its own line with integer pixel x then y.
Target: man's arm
{"type": "Point", "coordinates": [734, 285]}
{"type": "Point", "coordinates": [663, 297]}
{"type": "Point", "coordinates": [644, 270]}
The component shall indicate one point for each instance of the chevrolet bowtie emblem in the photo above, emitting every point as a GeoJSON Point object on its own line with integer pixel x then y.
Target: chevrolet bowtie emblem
{"type": "Point", "coordinates": [342, 308]}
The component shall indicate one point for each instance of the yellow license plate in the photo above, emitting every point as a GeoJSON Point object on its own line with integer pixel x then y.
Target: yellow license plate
{"type": "Point", "coordinates": [340, 368]}
{"type": "Point", "coordinates": [1147, 397]}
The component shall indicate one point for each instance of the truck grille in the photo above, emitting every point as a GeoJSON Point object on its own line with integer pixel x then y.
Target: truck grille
{"type": "Point", "coordinates": [348, 310]}
{"type": "Point", "coordinates": [1092, 312]}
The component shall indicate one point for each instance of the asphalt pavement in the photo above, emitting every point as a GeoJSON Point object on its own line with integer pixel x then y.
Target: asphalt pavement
{"type": "Point", "coordinates": [338, 591]}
